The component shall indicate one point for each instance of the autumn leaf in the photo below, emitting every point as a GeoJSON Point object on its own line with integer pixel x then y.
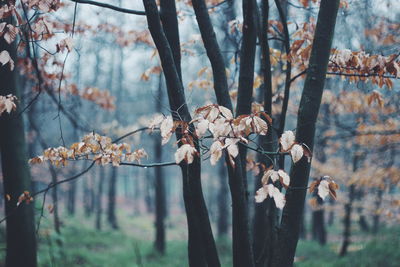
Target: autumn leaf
{"type": "Point", "coordinates": [287, 140]}
{"type": "Point", "coordinates": [5, 58]}
{"type": "Point", "coordinates": [296, 152]}
{"type": "Point", "coordinates": [285, 179]}
{"type": "Point", "coordinates": [166, 129]}
{"type": "Point", "coordinates": [185, 152]}
{"type": "Point", "coordinates": [202, 127]}
{"type": "Point", "coordinates": [11, 33]}
{"type": "Point", "coordinates": [216, 152]}
{"type": "Point", "coordinates": [7, 103]}
{"type": "Point", "coordinates": [273, 192]}
{"type": "Point", "coordinates": [323, 189]}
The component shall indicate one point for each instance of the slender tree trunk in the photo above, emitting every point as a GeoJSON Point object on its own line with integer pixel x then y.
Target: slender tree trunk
{"type": "Point", "coordinates": [348, 208]}
{"type": "Point", "coordinates": [242, 247]}
{"type": "Point", "coordinates": [149, 192]}
{"type": "Point", "coordinates": [54, 194]}
{"type": "Point", "coordinates": [20, 229]}
{"type": "Point", "coordinates": [71, 198]}
{"type": "Point", "coordinates": [264, 221]}
{"type": "Point", "coordinates": [86, 197]}
{"type": "Point", "coordinates": [99, 206]}
{"type": "Point", "coordinates": [160, 195]}
{"type": "Point", "coordinates": [160, 201]}
{"type": "Point", "coordinates": [347, 222]}
{"type": "Point", "coordinates": [318, 216]}
{"type": "Point", "coordinates": [288, 234]}
{"type": "Point", "coordinates": [223, 211]}
{"type": "Point", "coordinates": [202, 248]}
{"type": "Point", "coordinates": [137, 193]}
{"type": "Point", "coordinates": [318, 222]}
{"type": "Point", "coordinates": [378, 202]}
{"type": "Point", "coordinates": [112, 193]}
{"type": "Point", "coordinates": [362, 220]}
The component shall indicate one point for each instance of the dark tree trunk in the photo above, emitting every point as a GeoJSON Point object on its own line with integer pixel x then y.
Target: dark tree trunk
{"type": "Point", "coordinates": [318, 216]}
{"type": "Point", "coordinates": [87, 197]}
{"type": "Point", "coordinates": [202, 248]}
{"type": "Point", "coordinates": [160, 196]}
{"type": "Point", "coordinates": [318, 222]}
{"type": "Point", "coordinates": [112, 194]}
{"type": "Point", "coordinates": [149, 192]}
{"type": "Point", "coordinates": [288, 234]}
{"type": "Point", "coordinates": [54, 195]}
{"type": "Point", "coordinates": [71, 198]}
{"type": "Point", "coordinates": [362, 220]}
{"type": "Point", "coordinates": [99, 206]}
{"type": "Point", "coordinates": [378, 202]}
{"type": "Point", "coordinates": [20, 229]}
{"type": "Point", "coordinates": [223, 195]}
{"type": "Point", "coordinates": [348, 208]}
{"type": "Point", "coordinates": [264, 221]}
{"type": "Point", "coordinates": [242, 247]}
{"type": "Point", "coordinates": [137, 193]}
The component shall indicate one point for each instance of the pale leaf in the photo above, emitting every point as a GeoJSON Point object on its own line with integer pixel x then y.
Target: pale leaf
{"type": "Point", "coordinates": [287, 140]}
{"type": "Point", "coordinates": [185, 152]}
{"type": "Point", "coordinates": [323, 189]}
{"type": "Point", "coordinates": [297, 152]}
{"type": "Point", "coordinates": [216, 152]}
{"type": "Point", "coordinates": [285, 177]}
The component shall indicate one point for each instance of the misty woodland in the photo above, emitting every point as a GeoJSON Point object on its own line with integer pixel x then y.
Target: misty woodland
{"type": "Point", "coordinates": [241, 133]}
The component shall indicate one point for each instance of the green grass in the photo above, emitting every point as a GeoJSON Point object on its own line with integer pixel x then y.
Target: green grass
{"type": "Point", "coordinates": [382, 250]}
{"type": "Point", "coordinates": [84, 246]}
{"type": "Point", "coordinates": [132, 246]}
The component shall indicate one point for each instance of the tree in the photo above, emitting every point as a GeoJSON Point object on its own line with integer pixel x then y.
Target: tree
{"type": "Point", "coordinates": [308, 110]}
{"type": "Point", "coordinates": [14, 162]}
{"type": "Point", "coordinates": [215, 130]}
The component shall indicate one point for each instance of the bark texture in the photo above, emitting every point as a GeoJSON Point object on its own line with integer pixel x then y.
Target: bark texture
{"type": "Point", "coordinates": [288, 234]}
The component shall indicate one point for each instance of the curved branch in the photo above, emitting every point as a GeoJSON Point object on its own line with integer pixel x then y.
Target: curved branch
{"type": "Point", "coordinates": [116, 8]}
{"type": "Point", "coordinates": [151, 165]}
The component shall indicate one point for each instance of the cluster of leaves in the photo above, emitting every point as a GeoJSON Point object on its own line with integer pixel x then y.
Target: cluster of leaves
{"type": "Point", "coordinates": [365, 66]}
{"type": "Point", "coordinates": [325, 186]}
{"type": "Point", "coordinates": [384, 32]}
{"type": "Point", "coordinates": [271, 177]}
{"type": "Point", "coordinates": [7, 103]}
{"type": "Point", "coordinates": [306, 3]}
{"type": "Point", "coordinates": [355, 65]}
{"type": "Point", "coordinates": [99, 97]}
{"type": "Point", "coordinates": [92, 147]}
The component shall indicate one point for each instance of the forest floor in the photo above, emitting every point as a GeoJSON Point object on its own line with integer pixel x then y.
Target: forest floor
{"type": "Point", "coordinates": [131, 245]}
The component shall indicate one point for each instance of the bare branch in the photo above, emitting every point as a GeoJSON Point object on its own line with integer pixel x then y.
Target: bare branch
{"type": "Point", "coordinates": [116, 8]}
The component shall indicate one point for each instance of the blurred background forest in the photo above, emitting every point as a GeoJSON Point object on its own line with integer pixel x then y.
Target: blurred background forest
{"type": "Point", "coordinates": [103, 74]}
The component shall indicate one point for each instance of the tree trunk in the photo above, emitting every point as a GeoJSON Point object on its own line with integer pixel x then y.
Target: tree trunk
{"type": "Point", "coordinates": [99, 206]}
{"type": "Point", "coordinates": [242, 247]}
{"type": "Point", "coordinates": [288, 235]}
{"type": "Point", "coordinates": [264, 221]}
{"type": "Point", "coordinates": [378, 202]}
{"type": "Point", "coordinates": [318, 216]}
{"type": "Point", "coordinates": [318, 222]}
{"type": "Point", "coordinates": [20, 229]}
{"type": "Point", "coordinates": [348, 208]}
{"type": "Point", "coordinates": [87, 197]}
{"type": "Point", "coordinates": [71, 198]}
{"type": "Point", "coordinates": [201, 245]}
{"type": "Point", "coordinates": [347, 222]}
{"type": "Point", "coordinates": [54, 195]}
{"type": "Point", "coordinates": [112, 193]}
{"type": "Point", "coordinates": [223, 211]}
{"type": "Point", "coordinates": [362, 220]}
{"type": "Point", "coordinates": [160, 195]}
